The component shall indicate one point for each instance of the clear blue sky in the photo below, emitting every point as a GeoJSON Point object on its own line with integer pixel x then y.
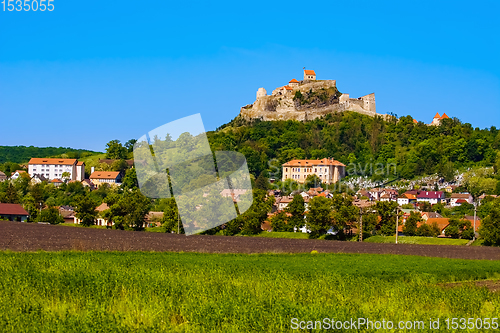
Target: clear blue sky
{"type": "Point", "coordinates": [93, 71]}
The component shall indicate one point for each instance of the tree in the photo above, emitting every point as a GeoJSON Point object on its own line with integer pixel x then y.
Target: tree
{"type": "Point", "coordinates": [170, 219]}
{"type": "Point", "coordinates": [130, 145]}
{"type": "Point", "coordinates": [11, 194]}
{"type": "Point", "coordinates": [428, 230]}
{"type": "Point", "coordinates": [30, 206]}
{"type": "Point", "coordinates": [128, 209]}
{"type": "Point", "coordinates": [86, 210]}
{"type": "Point", "coordinates": [252, 219]}
{"type": "Point", "coordinates": [130, 181]}
{"type": "Point", "coordinates": [426, 206]}
{"type": "Point", "coordinates": [261, 182]}
{"type": "Point", "coordinates": [459, 228]}
{"type": "Point", "coordinates": [296, 208]}
{"type": "Point", "coordinates": [115, 150]}
{"type": "Point", "coordinates": [410, 227]}
{"type": "Point", "coordinates": [279, 222]}
{"type": "Point", "coordinates": [119, 165]}
{"type": "Point", "coordinates": [312, 181]}
{"type": "Point", "coordinates": [345, 215]}
{"type": "Point", "coordinates": [319, 216]}
{"type": "Point", "coordinates": [490, 227]}
{"type": "Point", "coordinates": [66, 176]}
{"type": "Point", "coordinates": [50, 215]}
{"type": "Point", "coordinates": [387, 212]}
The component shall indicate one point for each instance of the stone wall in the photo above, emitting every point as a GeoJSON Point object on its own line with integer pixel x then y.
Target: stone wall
{"type": "Point", "coordinates": [282, 107]}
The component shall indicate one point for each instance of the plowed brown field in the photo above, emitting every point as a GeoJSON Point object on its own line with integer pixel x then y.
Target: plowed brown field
{"type": "Point", "coordinates": [18, 236]}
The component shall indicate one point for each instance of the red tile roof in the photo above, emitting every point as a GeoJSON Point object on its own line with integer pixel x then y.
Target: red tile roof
{"type": "Point", "coordinates": [444, 116]}
{"type": "Point", "coordinates": [104, 175]}
{"type": "Point", "coordinates": [288, 88]}
{"type": "Point", "coordinates": [102, 207]}
{"type": "Point", "coordinates": [460, 196]}
{"type": "Point", "coordinates": [79, 163]}
{"type": "Point", "coordinates": [437, 115]}
{"type": "Point", "coordinates": [57, 161]}
{"type": "Point", "coordinates": [309, 72]}
{"type": "Point", "coordinates": [441, 222]}
{"type": "Point", "coordinates": [415, 121]}
{"type": "Point", "coordinates": [293, 81]}
{"type": "Point", "coordinates": [430, 195]}
{"type": "Point", "coordinates": [55, 180]}
{"type": "Point", "coordinates": [310, 163]}
{"type": "Point", "coordinates": [12, 209]}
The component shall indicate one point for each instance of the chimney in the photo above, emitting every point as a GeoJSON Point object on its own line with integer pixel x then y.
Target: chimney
{"type": "Point", "coordinates": [92, 170]}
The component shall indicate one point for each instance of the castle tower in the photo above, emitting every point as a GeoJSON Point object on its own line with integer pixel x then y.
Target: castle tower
{"type": "Point", "coordinates": [436, 120]}
{"type": "Point", "coordinates": [369, 102]}
{"type": "Point", "coordinates": [309, 74]}
{"type": "Point", "coordinates": [293, 83]}
{"type": "Point", "coordinates": [261, 92]}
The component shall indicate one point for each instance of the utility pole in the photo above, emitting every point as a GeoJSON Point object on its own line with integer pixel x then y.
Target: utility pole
{"type": "Point", "coordinates": [178, 223]}
{"type": "Point", "coordinates": [360, 225]}
{"type": "Point", "coordinates": [475, 207]}
{"type": "Point", "coordinates": [397, 224]}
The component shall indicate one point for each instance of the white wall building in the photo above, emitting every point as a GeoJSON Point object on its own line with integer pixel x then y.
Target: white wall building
{"type": "Point", "coordinates": [53, 168]}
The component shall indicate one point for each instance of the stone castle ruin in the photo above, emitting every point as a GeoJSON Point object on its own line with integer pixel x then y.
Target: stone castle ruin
{"type": "Point", "coordinates": [306, 100]}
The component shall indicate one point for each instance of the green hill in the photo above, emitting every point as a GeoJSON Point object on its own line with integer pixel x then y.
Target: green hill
{"type": "Point", "coordinates": [362, 143]}
{"type": "Point", "coordinates": [22, 154]}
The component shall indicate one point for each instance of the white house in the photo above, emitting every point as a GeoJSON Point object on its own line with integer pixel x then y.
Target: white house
{"type": "Point", "coordinates": [433, 197]}
{"type": "Point", "coordinates": [406, 198]}
{"type": "Point", "coordinates": [53, 168]}
{"type": "Point", "coordinates": [17, 174]}
{"type": "Point", "coordinates": [455, 197]}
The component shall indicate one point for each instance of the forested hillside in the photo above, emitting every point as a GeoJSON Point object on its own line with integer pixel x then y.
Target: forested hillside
{"type": "Point", "coordinates": [349, 137]}
{"type": "Point", "coordinates": [22, 154]}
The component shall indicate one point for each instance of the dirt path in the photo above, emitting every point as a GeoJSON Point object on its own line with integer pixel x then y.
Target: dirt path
{"type": "Point", "coordinates": [18, 236]}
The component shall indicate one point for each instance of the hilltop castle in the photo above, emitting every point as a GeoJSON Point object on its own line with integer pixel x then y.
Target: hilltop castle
{"type": "Point", "coordinates": [436, 121]}
{"type": "Point", "coordinates": [306, 100]}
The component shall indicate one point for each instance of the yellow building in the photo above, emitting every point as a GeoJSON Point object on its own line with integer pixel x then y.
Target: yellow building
{"type": "Point", "coordinates": [328, 170]}
{"type": "Point", "coordinates": [105, 177]}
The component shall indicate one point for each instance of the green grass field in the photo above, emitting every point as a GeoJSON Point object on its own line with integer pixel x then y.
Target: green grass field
{"type": "Point", "coordinates": [189, 292]}
{"type": "Point", "coordinates": [416, 240]}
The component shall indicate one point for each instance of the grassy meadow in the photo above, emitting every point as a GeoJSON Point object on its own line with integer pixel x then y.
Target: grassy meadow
{"type": "Point", "coordinates": [190, 292]}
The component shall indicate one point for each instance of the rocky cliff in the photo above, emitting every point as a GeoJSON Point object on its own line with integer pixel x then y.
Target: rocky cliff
{"type": "Point", "coordinates": [305, 100]}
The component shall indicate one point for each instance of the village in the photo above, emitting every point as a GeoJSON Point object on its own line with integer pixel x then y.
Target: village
{"type": "Point", "coordinates": [326, 171]}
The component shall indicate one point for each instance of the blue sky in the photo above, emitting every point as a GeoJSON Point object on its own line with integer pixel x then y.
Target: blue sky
{"type": "Point", "coordinates": [90, 72]}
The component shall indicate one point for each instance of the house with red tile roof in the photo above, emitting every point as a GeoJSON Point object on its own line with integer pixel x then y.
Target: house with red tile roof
{"type": "Point", "coordinates": [105, 177]}
{"type": "Point", "coordinates": [293, 83]}
{"type": "Point", "coordinates": [52, 168]}
{"type": "Point", "coordinates": [13, 212]}
{"type": "Point", "coordinates": [309, 74]}
{"type": "Point", "coordinates": [407, 198]}
{"type": "Point", "coordinates": [17, 174]}
{"type": "Point", "coordinates": [433, 197]}
{"type": "Point", "coordinates": [328, 170]}
{"type": "Point", "coordinates": [457, 199]}
{"type": "Point", "coordinates": [56, 182]}
{"type": "Point", "coordinates": [442, 223]}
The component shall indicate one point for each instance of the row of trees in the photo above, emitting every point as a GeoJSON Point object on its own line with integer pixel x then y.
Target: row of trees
{"type": "Point", "coordinates": [22, 154]}
{"type": "Point", "coordinates": [359, 140]}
